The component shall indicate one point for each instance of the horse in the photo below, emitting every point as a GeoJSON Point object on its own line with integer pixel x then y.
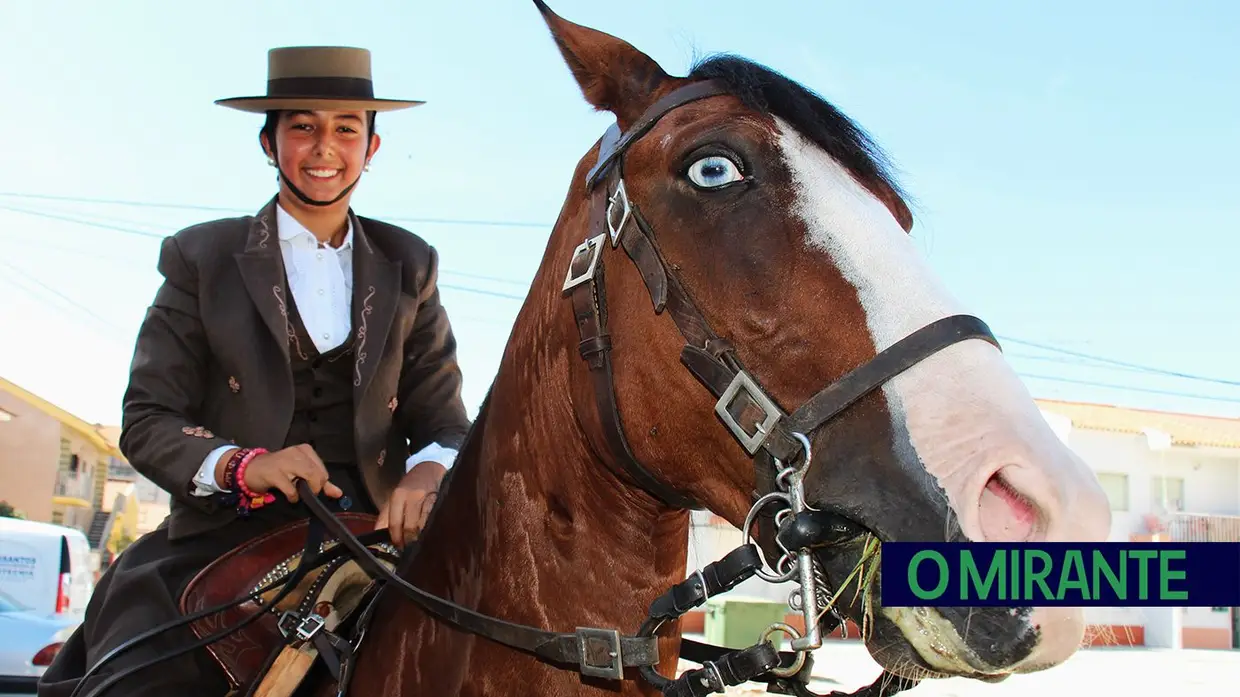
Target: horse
{"type": "Point", "coordinates": [766, 210]}
{"type": "Point", "coordinates": [730, 311]}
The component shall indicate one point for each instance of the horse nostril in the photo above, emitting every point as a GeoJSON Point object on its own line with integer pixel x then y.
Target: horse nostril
{"type": "Point", "coordinates": [1006, 515]}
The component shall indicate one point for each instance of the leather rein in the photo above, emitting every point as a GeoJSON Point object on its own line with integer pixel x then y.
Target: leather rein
{"type": "Point", "coordinates": [779, 445]}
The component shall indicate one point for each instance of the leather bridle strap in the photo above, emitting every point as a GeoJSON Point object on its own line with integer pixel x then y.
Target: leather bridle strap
{"type": "Point", "coordinates": [844, 392]}
{"type": "Point", "coordinates": [710, 358]}
{"type": "Point", "coordinates": [591, 650]}
{"type": "Point", "coordinates": [585, 282]}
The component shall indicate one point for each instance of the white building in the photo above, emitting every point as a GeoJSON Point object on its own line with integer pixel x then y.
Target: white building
{"type": "Point", "coordinates": [1168, 476]}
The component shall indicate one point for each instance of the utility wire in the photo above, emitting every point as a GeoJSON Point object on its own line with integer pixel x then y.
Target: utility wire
{"type": "Point", "coordinates": [31, 279]}
{"type": "Point", "coordinates": [512, 296]}
{"type": "Point", "coordinates": [1125, 364]}
{"type": "Point", "coordinates": [226, 209]}
{"type": "Point", "coordinates": [1051, 378]}
{"type": "Point", "coordinates": [1129, 388]}
{"type": "Point", "coordinates": [155, 235]}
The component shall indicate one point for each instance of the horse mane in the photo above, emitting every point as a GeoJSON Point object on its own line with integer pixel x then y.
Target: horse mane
{"type": "Point", "coordinates": [768, 91]}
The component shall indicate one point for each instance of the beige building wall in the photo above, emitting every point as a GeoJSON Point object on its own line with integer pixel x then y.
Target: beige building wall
{"type": "Point", "coordinates": [29, 455]}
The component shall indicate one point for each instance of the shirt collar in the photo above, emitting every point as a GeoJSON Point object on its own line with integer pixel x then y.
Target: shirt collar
{"type": "Point", "coordinates": [289, 229]}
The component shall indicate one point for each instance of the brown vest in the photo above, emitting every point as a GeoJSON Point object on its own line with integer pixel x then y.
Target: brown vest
{"type": "Point", "coordinates": [323, 396]}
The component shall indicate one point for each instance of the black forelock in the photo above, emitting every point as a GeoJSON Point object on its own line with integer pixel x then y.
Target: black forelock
{"type": "Point", "coordinates": [768, 91]}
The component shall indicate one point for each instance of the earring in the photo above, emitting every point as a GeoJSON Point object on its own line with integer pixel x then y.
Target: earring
{"type": "Point", "coordinates": [366, 168]}
{"type": "Point", "coordinates": [271, 162]}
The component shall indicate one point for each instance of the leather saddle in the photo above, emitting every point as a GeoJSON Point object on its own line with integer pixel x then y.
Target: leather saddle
{"type": "Point", "coordinates": [276, 651]}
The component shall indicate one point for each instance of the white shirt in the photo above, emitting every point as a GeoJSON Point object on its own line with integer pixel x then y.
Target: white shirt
{"type": "Point", "coordinates": [321, 281]}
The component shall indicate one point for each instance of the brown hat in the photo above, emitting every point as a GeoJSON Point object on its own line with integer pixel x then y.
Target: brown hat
{"type": "Point", "coordinates": [335, 78]}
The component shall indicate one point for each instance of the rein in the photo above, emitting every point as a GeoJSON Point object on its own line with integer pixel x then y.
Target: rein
{"type": "Point", "coordinates": [779, 444]}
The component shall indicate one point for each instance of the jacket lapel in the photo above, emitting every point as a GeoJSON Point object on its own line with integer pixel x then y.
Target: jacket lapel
{"type": "Point", "coordinates": [376, 292]}
{"type": "Point", "coordinates": [262, 270]}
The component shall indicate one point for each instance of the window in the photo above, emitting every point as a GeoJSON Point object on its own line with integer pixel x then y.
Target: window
{"type": "Point", "coordinates": [1167, 493]}
{"type": "Point", "coordinates": [1116, 487]}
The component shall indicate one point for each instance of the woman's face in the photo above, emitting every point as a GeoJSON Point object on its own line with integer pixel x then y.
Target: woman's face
{"type": "Point", "coordinates": [322, 152]}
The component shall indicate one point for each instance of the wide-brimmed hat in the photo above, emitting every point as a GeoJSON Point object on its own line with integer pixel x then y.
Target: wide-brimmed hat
{"type": "Point", "coordinates": [333, 78]}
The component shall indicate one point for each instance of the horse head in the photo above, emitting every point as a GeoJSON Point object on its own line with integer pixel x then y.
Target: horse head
{"type": "Point", "coordinates": [757, 251]}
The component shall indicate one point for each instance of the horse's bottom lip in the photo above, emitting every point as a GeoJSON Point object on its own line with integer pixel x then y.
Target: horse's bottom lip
{"type": "Point", "coordinates": [940, 651]}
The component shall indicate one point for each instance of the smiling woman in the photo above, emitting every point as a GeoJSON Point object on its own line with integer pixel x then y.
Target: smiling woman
{"type": "Point", "coordinates": [304, 341]}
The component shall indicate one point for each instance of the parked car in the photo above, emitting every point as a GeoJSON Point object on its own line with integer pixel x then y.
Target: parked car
{"type": "Point", "coordinates": [29, 640]}
{"type": "Point", "coordinates": [46, 568]}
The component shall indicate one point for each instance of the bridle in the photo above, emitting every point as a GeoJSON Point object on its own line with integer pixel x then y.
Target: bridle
{"type": "Point", "coordinates": [778, 439]}
{"type": "Point", "coordinates": [779, 444]}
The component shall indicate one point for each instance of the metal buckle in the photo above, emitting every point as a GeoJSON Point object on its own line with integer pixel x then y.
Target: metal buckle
{"type": "Point", "coordinates": [593, 247]}
{"type": "Point", "coordinates": [588, 643]}
{"type": "Point", "coordinates": [771, 412]}
{"type": "Point", "coordinates": [304, 628]}
{"type": "Point", "coordinates": [622, 197]}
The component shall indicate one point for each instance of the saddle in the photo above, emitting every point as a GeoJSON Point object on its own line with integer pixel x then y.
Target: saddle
{"type": "Point", "coordinates": [270, 656]}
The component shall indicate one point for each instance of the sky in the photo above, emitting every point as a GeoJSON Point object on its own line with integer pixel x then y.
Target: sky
{"type": "Point", "coordinates": [1072, 164]}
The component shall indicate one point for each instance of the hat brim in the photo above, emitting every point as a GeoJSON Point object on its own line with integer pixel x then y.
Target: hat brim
{"type": "Point", "coordinates": [259, 105]}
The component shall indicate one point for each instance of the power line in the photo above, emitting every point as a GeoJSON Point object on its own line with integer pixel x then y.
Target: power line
{"type": "Point", "coordinates": [1051, 378]}
{"type": "Point", "coordinates": [1125, 364]}
{"type": "Point", "coordinates": [80, 221]}
{"type": "Point", "coordinates": [1129, 388]}
{"type": "Point", "coordinates": [91, 313]}
{"type": "Point", "coordinates": [225, 209]}
{"type": "Point", "coordinates": [155, 235]}
{"type": "Point", "coordinates": [469, 289]}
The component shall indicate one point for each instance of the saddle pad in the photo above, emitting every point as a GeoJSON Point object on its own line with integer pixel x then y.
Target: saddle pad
{"type": "Point", "coordinates": [243, 653]}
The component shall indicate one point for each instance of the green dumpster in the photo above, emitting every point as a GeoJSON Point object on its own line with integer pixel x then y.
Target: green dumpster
{"type": "Point", "coordinates": [738, 622]}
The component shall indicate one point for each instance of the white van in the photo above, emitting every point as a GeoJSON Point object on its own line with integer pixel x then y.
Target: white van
{"type": "Point", "coordinates": [45, 567]}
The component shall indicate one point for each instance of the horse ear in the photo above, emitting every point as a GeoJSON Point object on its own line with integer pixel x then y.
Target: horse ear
{"type": "Point", "coordinates": [613, 75]}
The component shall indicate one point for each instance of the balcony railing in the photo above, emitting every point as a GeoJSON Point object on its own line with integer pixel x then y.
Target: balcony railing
{"type": "Point", "coordinates": [76, 485]}
{"type": "Point", "coordinates": [1197, 527]}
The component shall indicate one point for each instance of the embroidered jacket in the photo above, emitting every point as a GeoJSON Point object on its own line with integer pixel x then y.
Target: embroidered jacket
{"type": "Point", "coordinates": [220, 320]}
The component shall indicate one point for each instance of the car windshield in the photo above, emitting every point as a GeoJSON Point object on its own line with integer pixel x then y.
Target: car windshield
{"type": "Point", "coordinates": [7, 604]}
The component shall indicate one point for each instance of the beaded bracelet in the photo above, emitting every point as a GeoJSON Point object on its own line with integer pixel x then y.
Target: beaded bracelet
{"type": "Point", "coordinates": [234, 473]}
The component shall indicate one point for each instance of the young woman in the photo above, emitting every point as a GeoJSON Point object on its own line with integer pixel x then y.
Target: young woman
{"type": "Point", "coordinates": [301, 342]}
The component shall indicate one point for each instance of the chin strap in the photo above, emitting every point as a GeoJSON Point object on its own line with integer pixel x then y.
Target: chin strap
{"type": "Point", "coordinates": [309, 201]}
{"type": "Point", "coordinates": [282, 177]}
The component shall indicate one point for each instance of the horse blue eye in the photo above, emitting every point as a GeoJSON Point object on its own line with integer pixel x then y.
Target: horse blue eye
{"type": "Point", "coordinates": [713, 172]}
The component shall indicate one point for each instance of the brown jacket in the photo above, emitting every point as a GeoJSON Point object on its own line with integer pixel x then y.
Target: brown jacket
{"type": "Point", "coordinates": [211, 365]}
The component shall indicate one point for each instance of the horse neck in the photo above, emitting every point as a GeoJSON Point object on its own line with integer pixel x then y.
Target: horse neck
{"type": "Point", "coordinates": [533, 527]}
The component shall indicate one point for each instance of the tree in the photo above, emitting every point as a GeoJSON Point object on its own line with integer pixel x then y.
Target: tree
{"type": "Point", "coordinates": [7, 511]}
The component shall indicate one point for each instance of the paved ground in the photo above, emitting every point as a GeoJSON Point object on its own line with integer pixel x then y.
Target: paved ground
{"type": "Point", "coordinates": [1119, 672]}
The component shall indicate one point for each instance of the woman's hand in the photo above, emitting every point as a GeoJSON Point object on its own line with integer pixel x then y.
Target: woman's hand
{"type": "Point", "coordinates": [277, 470]}
{"type": "Point", "coordinates": [407, 510]}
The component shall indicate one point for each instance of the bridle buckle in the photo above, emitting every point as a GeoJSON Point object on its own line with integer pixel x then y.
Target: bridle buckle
{"type": "Point", "coordinates": [600, 653]}
{"type": "Point", "coordinates": [742, 383]}
{"type": "Point", "coordinates": [593, 247]}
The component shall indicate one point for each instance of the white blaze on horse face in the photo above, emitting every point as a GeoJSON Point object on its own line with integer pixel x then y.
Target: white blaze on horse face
{"type": "Point", "coordinates": [965, 413]}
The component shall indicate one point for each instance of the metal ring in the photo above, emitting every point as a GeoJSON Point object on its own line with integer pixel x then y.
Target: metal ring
{"type": "Point", "coordinates": [809, 452]}
{"type": "Point", "coordinates": [794, 634]}
{"type": "Point", "coordinates": [758, 505]}
{"type": "Point", "coordinates": [782, 479]}
{"type": "Point", "coordinates": [781, 517]}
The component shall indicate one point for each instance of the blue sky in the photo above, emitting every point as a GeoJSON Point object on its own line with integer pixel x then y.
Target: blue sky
{"type": "Point", "coordinates": [1073, 165]}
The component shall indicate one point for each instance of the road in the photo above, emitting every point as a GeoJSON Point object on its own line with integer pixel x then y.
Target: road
{"type": "Point", "coordinates": [1130, 672]}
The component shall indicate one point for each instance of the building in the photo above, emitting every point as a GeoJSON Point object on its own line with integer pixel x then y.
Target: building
{"type": "Point", "coordinates": [53, 465]}
{"type": "Point", "coordinates": [1168, 477]}
{"type": "Point", "coordinates": [57, 468]}
{"type": "Point", "coordinates": [150, 504]}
